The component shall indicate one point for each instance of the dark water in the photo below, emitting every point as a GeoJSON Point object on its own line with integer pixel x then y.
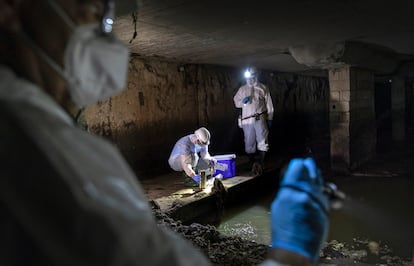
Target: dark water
{"type": "Point", "coordinates": [377, 208]}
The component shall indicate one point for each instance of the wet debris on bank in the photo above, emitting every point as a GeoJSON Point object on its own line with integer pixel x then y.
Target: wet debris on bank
{"type": "Point", "coordinates": [220, 249]}
{"type": "Point", "coordinates": [361, 252]}
{"type": "Point", "coordinates": [234, 250]}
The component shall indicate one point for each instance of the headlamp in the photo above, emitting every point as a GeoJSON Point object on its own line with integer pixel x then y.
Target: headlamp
{"type": "Point", "coordinates": [247, 74]}
{"type": "Point", "coordinates": [107, 20]}
{"type": "Point", "coordinates": [250, 73]}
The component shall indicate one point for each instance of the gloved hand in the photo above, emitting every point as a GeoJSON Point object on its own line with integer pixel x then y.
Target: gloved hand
{"type": "Point", "coordinates": [196, 178]}
{"type": "Point", "coordinates": [246, 99]}
{"type": "Point", "coordinates": [269, 123]}
{"type": "Point", "coordinates": [299, 219]}
{"type": "Point", "coordinates": [212, 163]}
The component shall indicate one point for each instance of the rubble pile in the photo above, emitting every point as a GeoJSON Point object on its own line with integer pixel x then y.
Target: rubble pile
{"type": "Point", "coordinates": [220, 249]}
{"type": "Point", "coordinates": [361, 251]}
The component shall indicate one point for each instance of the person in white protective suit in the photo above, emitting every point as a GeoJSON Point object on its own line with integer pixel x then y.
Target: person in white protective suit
{"type": "Point", "coordinates": [68, 197]}
{"type": "Point", "coordinates": [256, 117]}
{"type": "Point", "coordinates": [186, 155]}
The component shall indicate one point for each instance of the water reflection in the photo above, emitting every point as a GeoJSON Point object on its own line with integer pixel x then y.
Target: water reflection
{"type": "Point", "coordinates": [249, 222]}
{"type": "Point", "coordinates": [377, 208]}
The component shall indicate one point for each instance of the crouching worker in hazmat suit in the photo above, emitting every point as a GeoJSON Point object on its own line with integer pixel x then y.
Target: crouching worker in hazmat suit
{"type": "Point", "coordinates": [186, 154]}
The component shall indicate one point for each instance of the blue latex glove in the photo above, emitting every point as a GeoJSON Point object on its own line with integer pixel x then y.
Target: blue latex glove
{"type": "Point", "coordinates": [197, 178]}
{"type": "Point", "coordinates": [246, 99]}
{"type": "Point", "coordinates": [212, 162]}
{"type": "Point", "coordinates": [299, 219]}
{"type": "Point", "coordinates": [269, 123]}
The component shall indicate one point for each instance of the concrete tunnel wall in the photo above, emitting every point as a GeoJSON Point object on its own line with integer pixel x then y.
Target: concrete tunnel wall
{"type": "Point", "coordinates": [162, 104]}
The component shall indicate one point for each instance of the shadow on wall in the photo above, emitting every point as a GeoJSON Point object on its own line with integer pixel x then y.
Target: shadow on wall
{"type": "Point", "coordinates": [301, 121]}
{"type": "Point", "coordinates": [150, 158]}
{"type": "Point", "coordinates": [383, 116]}
{"type": "Point", "coordinates": [226, 138]}
{"type": "Point", "coordinates": [290, 135]}
{"type": "Point", "coordinates": [145, 149]}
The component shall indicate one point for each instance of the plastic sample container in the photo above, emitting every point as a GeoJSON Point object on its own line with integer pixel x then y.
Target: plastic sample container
{"type": "Point", "coordinates": [230, 161]}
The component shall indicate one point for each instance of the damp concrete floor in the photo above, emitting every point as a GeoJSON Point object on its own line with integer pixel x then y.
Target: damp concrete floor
{"type": "Point", "coordinates": [168, 189]}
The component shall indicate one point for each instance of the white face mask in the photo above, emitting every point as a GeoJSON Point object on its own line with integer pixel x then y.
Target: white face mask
{"type": "Point", "coordinates": [251, 81]}
{"type": "Point", "coordinates": [95, 64]}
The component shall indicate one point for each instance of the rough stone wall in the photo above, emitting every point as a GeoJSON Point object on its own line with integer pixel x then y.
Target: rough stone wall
{"type": "Point", "coordinates": [362, 109]}
{"type": "Point", "coordinates": [165, 100]}
{"type": "Point", "coordinates": [301, 124]}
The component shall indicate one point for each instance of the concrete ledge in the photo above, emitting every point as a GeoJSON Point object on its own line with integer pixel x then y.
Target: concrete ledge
{"type": "Point", "coordinates": [206, 206]}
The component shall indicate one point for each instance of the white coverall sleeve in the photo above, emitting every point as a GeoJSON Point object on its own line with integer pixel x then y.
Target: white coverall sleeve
{"type": "Point", "coordinates": [238, 97]}
{"type": "Point", "coordinates": [186, 164]}
{"type": "Point", "coordinates": [205, 155]}
{"type": "Point", "coordinates": [269, 105]}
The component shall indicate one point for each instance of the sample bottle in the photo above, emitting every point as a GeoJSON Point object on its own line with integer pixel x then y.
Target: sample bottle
{"type": "Point", "coordinates": [203, 179]}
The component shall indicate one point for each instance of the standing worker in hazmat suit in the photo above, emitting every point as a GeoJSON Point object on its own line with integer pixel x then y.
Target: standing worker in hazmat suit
{"type": "Point", "coordinates": [68, 197]}
{"type": "Point", "coordinates": [257, 115]}
{"type": "Point", "coordinates": [186, 154]}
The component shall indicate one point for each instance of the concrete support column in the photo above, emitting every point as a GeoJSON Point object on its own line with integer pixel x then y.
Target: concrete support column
{"type": "Point", "coordinates": [398, 108]}
{"type": "Point", "coordinates": [352, 117]}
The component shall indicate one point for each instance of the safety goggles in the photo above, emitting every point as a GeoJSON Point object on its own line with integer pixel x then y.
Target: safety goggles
{"type": "Point", "coordinates": [199, 142]}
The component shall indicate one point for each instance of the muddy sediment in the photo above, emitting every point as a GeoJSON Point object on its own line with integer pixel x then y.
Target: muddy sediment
{"type": "Point", "coordinates": [234, 250]}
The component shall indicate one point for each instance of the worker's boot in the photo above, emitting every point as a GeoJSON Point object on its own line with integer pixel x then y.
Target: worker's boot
{"type": "Point", "coordinates": [262, 155]}
{"type": "Point", "coordinates": [251, 157]}
{"type": "Point", "coordinates": [256, 169]}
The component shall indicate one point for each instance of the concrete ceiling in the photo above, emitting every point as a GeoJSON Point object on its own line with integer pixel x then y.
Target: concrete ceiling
{"type": "Point", "coordinates": [274, 35]}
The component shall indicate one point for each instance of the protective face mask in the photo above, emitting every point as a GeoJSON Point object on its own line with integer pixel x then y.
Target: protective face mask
{"type": "Point", "coordinates": [251, 81]}
{"type": "Point", "coordinates": [197, 148]}
{"type": "Point", "coordinates": [95, 64]}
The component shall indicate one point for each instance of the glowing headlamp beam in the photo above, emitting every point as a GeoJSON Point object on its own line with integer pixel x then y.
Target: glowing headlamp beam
{"type": "Point", "coordinates": [247, 74]}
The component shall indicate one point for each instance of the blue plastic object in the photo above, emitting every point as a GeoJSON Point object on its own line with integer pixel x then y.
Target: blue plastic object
{"type": "Point", "coordinates": [246, 99]}
{"type": "Point", "coordinates": [197, 178]}
{"type": "Point", "coordinates": [299, 218]}
{"type": "Point", "coordinates": [230, 161]}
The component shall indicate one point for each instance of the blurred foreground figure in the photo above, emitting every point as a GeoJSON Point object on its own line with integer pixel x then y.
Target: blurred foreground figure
{"type": "Point", "coordinates": [67, 197]}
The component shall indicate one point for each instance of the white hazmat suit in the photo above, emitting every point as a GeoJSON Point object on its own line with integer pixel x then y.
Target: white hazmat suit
{"type": "Point", "coordinates": [255, 114]}
{"type": "Point", "coordinates": [72, 192]}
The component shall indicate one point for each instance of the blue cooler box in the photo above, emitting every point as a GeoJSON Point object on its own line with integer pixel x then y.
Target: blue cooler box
{"type": "Point", "coordinates": [230, 161]}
